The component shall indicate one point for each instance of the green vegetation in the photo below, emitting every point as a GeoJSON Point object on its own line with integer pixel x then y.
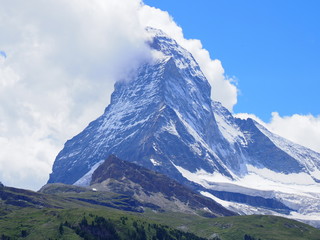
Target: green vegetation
{"type": "Point", "coordinates": [84, 223]}
{"type": "Point", "coordinates": [76, 213]}
{"type": "Point", "coordinates": [236, 227]}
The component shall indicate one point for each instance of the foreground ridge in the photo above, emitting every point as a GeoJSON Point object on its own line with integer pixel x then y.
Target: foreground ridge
{"type": "Point", "coordinates": [61, 211]}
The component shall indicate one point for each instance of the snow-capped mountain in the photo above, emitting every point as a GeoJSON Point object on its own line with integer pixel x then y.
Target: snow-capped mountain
{"type": "Point", "coordinates": [164, 119]}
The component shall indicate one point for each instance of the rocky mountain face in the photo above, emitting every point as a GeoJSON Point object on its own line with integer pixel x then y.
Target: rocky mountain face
{"type": "Point", "coordinates": [153, 189]}
{"type": "Point", "coordinates": [163, 119]}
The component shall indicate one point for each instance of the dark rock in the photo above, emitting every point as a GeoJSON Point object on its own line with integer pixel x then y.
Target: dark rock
{"type": "Point", "coordinates": [150, 182]}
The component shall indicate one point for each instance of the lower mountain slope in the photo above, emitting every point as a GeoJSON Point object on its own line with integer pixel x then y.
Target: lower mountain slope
{"type": "Point", "coordinates": [57, 213]}
{"type": "Point", "coordinates": [152, 188]}
{"type": "Point", "coordinates": [283, 175]}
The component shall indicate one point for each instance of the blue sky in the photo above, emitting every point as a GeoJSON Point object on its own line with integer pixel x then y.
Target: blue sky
{"type": "Point", "coordinates": [271, 47]}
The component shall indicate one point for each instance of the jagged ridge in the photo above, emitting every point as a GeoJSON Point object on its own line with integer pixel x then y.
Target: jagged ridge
{"type": "Point", "coordinates": [120, 176]}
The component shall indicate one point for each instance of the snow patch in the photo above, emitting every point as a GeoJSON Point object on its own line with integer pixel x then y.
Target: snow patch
{"type": "Point", "coordinates": [226, 125]}
{"type": "Point", "coordinates": [171, 128]}
{"type": "Point", "coordinates": [243, 209]}
{"type": "Point", "coordinates": [258, 182]}
{"type": "Point", "coordinates": [293, 178]}
{"type": "Point", "coordinates": [86, 179]}
{"type": "Point", "coordinates": [155, 162]}
{"type": "Point", "coordinates": [298, 191]}
{"type": "Point", "coordinates": [162, 108]}
{"type": "Point", "coordinates": [230, 132]}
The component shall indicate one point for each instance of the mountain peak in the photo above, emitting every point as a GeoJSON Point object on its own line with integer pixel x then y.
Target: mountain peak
{"type": "Point", "coordinates": [168, 100]}
{"type": "Point", "coordinates": [183, 59]}
{"type": "Point", "coordinates": [163, 119]}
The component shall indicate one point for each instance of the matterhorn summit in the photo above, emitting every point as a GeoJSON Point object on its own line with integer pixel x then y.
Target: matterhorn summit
{"type": "Point", "coordinates": [164, 120]}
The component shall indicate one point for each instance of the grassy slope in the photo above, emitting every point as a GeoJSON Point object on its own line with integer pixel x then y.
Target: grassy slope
{"type": "Point", "coordinates": [44, 224]}
{"type": "Point", "coordinates": [258, 226]}
{"type": "Point", "coordinates": [42, 219]}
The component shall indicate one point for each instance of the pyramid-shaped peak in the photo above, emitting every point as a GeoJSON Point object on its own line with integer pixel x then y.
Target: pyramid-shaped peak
{"type": "Point", "coordinates": [166, 102]}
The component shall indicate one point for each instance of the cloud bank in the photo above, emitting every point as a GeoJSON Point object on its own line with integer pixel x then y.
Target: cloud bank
{"type": "Point", "coordinates": [59, 61]}
{"type": "Point", "coordinates": [63, 58]}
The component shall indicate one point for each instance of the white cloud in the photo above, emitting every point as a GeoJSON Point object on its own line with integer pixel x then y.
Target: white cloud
{"type": "Point", "coordinates": [301, 129]}
{"type": "Point", "coordinates": [63, 58]}
{"type": "Point", "coordinates": [250, 115]}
